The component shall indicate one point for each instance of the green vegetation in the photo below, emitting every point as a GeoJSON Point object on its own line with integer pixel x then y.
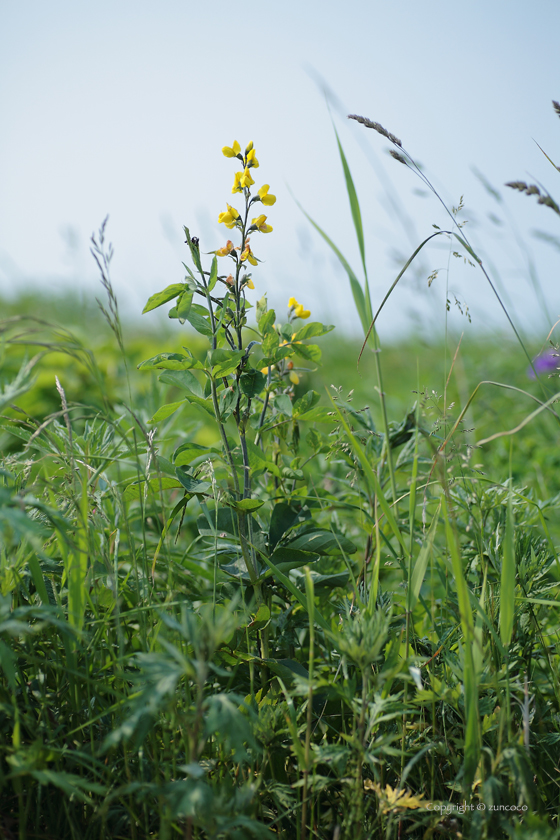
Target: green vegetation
{"type": "Point", "coordinates": [241, 597]}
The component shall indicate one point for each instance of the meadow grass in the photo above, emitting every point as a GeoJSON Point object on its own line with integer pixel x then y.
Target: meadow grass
{"type": "Point", "coordinates": [394, 669]}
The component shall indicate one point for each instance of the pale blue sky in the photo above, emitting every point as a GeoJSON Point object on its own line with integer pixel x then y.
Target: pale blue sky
{"type": "Point", "coordinates": [122, 107]}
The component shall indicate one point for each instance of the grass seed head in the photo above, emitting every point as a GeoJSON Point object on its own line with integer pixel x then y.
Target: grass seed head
{"type": "Point", "coordinates": [377, 127]}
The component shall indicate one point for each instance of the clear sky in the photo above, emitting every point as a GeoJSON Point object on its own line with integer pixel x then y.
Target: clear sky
{"type": "Point", "coordinates": [122, 107]}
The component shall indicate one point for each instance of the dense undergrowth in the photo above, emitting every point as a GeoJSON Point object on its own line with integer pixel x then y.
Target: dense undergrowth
{"type": "Point", "coordinates": [358, 641]}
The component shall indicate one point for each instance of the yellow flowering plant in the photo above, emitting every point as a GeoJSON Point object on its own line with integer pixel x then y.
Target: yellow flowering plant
{"type": "Point", "coordinates": [249, 383]}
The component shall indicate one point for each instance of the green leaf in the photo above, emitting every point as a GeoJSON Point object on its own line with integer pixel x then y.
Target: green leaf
{"type": "Point", "coordinates": [252, 383]}
{"type": "Point", "coordinates": [266, 322]}
{"type": "Point", "coordinates": [287, 558]}
{"type": "Point", "coordinates": [284, 517]}
{"type": "Point", "coordinates": [227, 400]}
{"type": "Point", "coordinates": [270, 343]}
{"type": "Point", "coordinates": [319, 414]}
{"type": "Point", "coordinates": [312, 330]}
{"type": "Point", "coordinates": [200, 323]}
{"type": "Point", "coordinates": [170, 361]}
{"type": "Point", "coordinates": [323, 542]}
{"type": "Point", "coordinates": [277, 356]}
{"type": "Point", "coordinates": [187, 452]}
{"type": "Point", "coordinates": [247, 504]}
{"type": "Point", "coordinates": [311, 352]}
{"type": "Point", "coordinates": [421, 564]}
{"type": "Point", "coordinates": [305, 403]}
{"type": "Point", "coordinates": [183, 379]}
{"type": "Point", "coordinates": [262, 306]}
{"type": "Point", "coordinates": [224, 361]}
{"type": "Point", "coordinates": [291, 474]}
{"type": "Point", "coordinates": [354, 207]}
{"type": "Point", "coordinates": [160, 298]}
{"type": "Point", "coordinates": [191, 485]}
{"type": "Point", "coordinates": [260, 619]}
{"type": "Point", "coordinates": [38, 579]}
{"type": "Point", "coordinates": [213, 274]}
{"type": "Point", "coordinates": [286, 669]}
{"type": "Point", "coordinates": [325, 581]}
{"type": "Point", "coordinates": [206, 404]}
{"type": "Point", "coordinates": [224, 522]}
{"type": "Point", "coordinates": [166, 411]}
{"type": "Point", "coordinates": [195, 252]}
{"type": "Point", "coordinates": [283, 404]}
{"type": "Point", "coordinates": [182, 309]}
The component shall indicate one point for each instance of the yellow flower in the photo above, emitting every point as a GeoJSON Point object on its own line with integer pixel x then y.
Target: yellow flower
{"type": "Point", "coordinates": [232, 151]}
{"type": "Point", "coordinates": [267, 370]}
{"type": "Point", "coordinates": [260, 224]}
{"type": "Point", "coordinates": [267, 199]}
{"type": "Point", "coordinates": [246, 180]}
{"type": "Point", "coordinates": [299, 311]}
{"type": "Point", "coordinates": [294, 378]}
{"type": "Point", "coordinates": [242, 179]}
{"type": "Point", "coordinates": [229, 217]}
{"type": "Point", "coordinates": [251, 159]}
{"type": "Point", "coordinates": [227, 249]}
{"type": "Point", "coordinates": [249, 283]}
{"type": "Point", "coordinates": [248, 147]}
{"type": "Point", "coordinates": [248, 255]}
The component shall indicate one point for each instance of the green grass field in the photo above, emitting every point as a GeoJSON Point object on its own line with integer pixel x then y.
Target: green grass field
{"type": "Point", "coordinates": [241, 600]}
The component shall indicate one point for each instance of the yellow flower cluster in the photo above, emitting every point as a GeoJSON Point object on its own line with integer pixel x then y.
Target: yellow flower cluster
{"type": "Point", "coordinates": [243, 182]}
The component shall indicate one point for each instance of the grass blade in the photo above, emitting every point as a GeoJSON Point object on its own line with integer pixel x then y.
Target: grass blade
{"type": "Point", "coordinates": [507, 592]}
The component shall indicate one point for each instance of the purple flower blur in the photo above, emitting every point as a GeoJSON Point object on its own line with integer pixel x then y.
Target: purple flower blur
{"type": "Point", "coordinates": [546, 362]}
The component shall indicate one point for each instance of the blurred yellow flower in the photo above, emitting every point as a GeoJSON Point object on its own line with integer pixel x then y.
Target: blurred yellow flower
{"type": "Point", "coordinates": [260, 224]}
{"type": "Point", "coordinates": [299, 311]}
{"type": "Point", "coordinates": [248, 147]}
{"type": "Point", "coordinates": [227, 249]}
{"type": "Point", "coordinates": [294, 378]}
{"type": "Point", "coordinates": [249, 283]}
{"type": "Point", "coordinates": [267, 370]}
{"type": "Point", "coordinates": [229, 217]}
{"type": "Point", "coordinates": [232, 151]}
{"type": "Point", "coordinates": [267, 199]}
